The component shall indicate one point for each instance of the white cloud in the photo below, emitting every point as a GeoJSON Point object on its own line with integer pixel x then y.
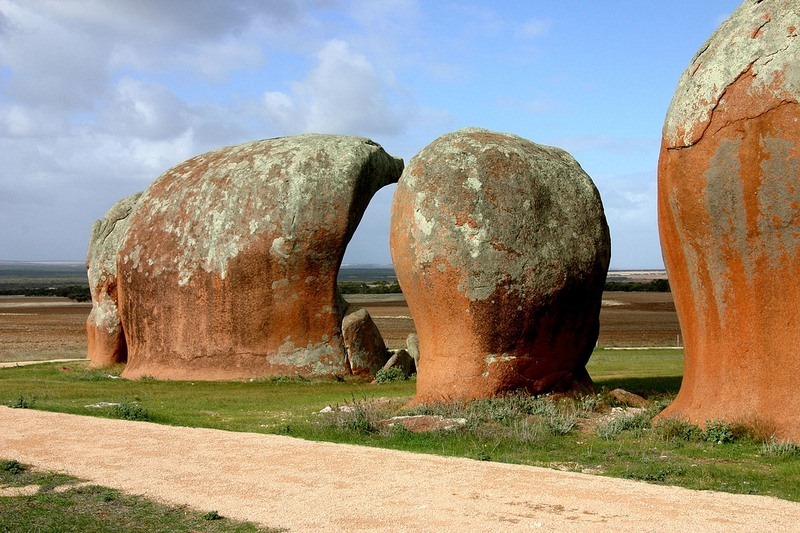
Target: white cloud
{"type": "Point", "coordinates": [343, 94]}
{"type": "Point", "coordinates": [534, 28]}
{"type": "Point", "coordinates": [630, 206]}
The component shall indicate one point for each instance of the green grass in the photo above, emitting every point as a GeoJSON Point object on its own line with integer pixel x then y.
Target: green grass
{"type": "Point", "coordinates": [79, 508]}
{"type": "Point", "coordinates": [572, 434]}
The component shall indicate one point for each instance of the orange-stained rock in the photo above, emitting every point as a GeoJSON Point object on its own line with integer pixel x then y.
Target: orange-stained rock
{"type": "Point", "coordinates": [501, 248]}
{"type": "Point", "coordinates": [106, 339]}
{"type": "Point", "coordinates": [228, 268]}
{"type": "Point", "coordinates": [729, 219]}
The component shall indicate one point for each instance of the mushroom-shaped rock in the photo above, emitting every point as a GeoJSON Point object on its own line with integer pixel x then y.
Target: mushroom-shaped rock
{"type": "Point", "coordinates": [502, 249]}
{"type": "Point", "coordinates": [106, 340]}
{"type": "Point", "coordinates": [229, 265]}
{"type": "Point", "coordinates": [366, 350]}
{"type": "Point", "coordinates": [729, 219]}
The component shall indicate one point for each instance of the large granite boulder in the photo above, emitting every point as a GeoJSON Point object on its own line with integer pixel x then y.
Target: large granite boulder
{"type": "Point", "coordinates": [228, 268]}
{"type": "Point", "coordinates": [106, 339]}
{"type": "Point", "coordinates": [729, 218]}
{"type": "Point", "coordinates": [501, 248]}
{"type": "Point", "coordinates": [366, 349]}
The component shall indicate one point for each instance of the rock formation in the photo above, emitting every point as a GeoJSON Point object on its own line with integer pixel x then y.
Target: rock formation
{"type": "Point", "coordinates": [729, 219]}
{"type": "Point", "coordinates": [103, 327]}
{"type": "Point", "coordinates": [228, 268]}
{"type": "Point", "coordinates": [501, 248]}
{"type": "Point", "coordinates": [366, 351]}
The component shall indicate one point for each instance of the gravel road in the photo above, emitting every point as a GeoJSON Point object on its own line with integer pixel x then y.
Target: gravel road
{"type": "Point", "coordinates": [316, 486]}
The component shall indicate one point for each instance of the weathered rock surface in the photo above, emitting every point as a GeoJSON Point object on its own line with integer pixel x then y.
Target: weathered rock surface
{"type": "Point", "coordinates": [366, 350]}
{"type": "Point", "coordinates": [412, 347]}
{"type": "Point", "coordinates": [501, 248]}
{"type": "Point", "coordinates": [229, 265]}
{"type": "Point", "coordinates": [106, 340]}
{"type": "Point", "coordinates": [729, 219]}
{"type": "Point", "coordinates": [401, 359]}
{"type": "Point", "coordinates": [628, 398]}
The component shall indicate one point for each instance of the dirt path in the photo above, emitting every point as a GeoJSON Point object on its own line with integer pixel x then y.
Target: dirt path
{"type": "Point", "coordinates": [312, 486]}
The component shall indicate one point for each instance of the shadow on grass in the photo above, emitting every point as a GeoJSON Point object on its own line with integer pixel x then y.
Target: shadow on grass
{"type": "Point", "coordinates": [642, 386]}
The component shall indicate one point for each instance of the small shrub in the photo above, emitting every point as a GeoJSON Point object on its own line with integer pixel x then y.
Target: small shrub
{"type": "Point", "coordinates": [528, 431]}
{"type": "Point", "coordinates": [388, 375]}
{"type": "Point", "coordinates": [130, 411]}
{"type": "Point", "coordinates": [613, 427]}
{"type": "Point", "coordinates": [718, 431]}
{"type": "Point", "coordinates": [483, 456]}
{"type": "Point", "coordinates": [358, 416]}
{"type": "Point", "coordinates": [212, 515]}
{"type": "Point", "coordinates": [12, 467]}
{"type": "Point", "coordinates": [780, 449]}
{"type": "Point", "coordinates": [21, 403]}
{"type": "Point", "coordinates": [589, 404]}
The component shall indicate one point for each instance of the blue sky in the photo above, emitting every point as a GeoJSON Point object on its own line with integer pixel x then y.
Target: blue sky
{"type": "Point", "coordinates": [99, 97]}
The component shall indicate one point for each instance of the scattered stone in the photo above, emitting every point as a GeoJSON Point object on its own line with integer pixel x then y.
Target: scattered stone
{"type": "Point", "coordinates": [424, 423]}
{"type": "Point", "coordinates": [228, 267]}
{"type": "Point", "coordinates": [402, 360]}
{"type": "Point", "coordinates": [366, 351]}
{"type": "Point", "coordinates": [99, 405]}
{"type": "Point", "coordinates": [106, 341]}
{"type": "Point", "coordinates": [628, 398]}
{"type": "Point", "coordinates": [502, 249]}
{"type": "Point", "coordinates": [729, 218]}
{"type": "Point", "coordinates": [340, 408]}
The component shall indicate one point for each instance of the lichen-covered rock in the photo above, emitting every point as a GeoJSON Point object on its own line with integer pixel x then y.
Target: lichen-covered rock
{"type": "Point", "coordinates": [106, 340]}
{"type": "Point", "coordinates": [729, 219]}
{"type": "Point", "coordinates": [401, 360]}
{"type": "Point", "coordinates": [229, 265]}
{"type": "Point", "coordinates": [501, 248]}
{"type": "Point", "coordinates": [366, 350]}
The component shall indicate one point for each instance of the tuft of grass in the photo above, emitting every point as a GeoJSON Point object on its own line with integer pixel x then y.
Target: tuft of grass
{"type": "Point", "coordinates": [212, 515]}
{"type": "Point", "coordinates": [12, 467]}
{"type": "Point", "coordinates": [130, 411]}
{"type": "Point", "coordinates": [616, 425]}
{"type": "Point", "coordinates": [356, 416]}
{"type": "Point", "coordinates": [21, 402]}
{"type": "Point", "coordinates": [780, 449]}
{"type": "Point", "coordinates": [676, 430]}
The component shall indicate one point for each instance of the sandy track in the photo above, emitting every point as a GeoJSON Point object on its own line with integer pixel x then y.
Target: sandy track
{"type": "Point", "coordinates": [312, 486]}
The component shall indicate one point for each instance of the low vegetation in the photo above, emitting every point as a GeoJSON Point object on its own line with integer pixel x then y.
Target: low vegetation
{"type": "Point", "coordinates": [656, 285]}
{"type": "Point", "coordinates": [592, 433]}
{"type": "Point", "coordinates": [45, 501]}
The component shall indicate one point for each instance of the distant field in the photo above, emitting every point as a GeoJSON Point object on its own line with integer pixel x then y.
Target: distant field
{"type": "Point", "coordinates": [34, 275]}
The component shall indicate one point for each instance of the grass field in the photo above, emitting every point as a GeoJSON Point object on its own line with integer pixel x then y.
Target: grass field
{"type": "Point", "coordinates": [582, 434]}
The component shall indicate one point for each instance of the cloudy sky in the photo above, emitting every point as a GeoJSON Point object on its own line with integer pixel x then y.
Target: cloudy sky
{"type": "Point", "coordinates": [99, 97]}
